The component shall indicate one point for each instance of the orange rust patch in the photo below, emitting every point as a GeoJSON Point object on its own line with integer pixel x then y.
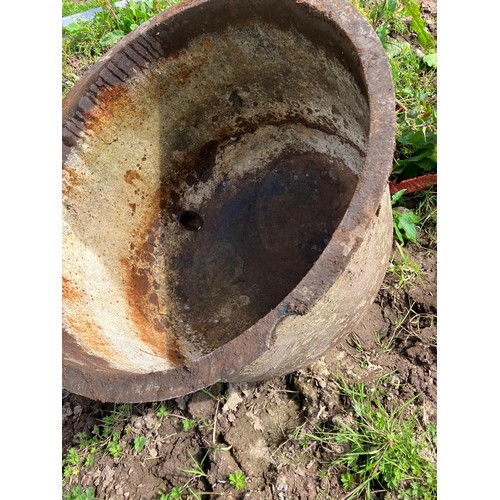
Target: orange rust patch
{"type": "Point", "coordinates": [69, 292]}
{"type": "Point", "coordinates": [142, 313]}
{"type": "Point", "coordinates": [182, 75]}
{"type": "Point", "coordinates": [109, 99]}
{"type": "Point", "coordinates": [130, 176]}
{"type": "Point", "coordinates": [208, 45]}
{"type": "Point", "coordinates": [71, 179]}
{"type": "Point", "coordinates": [89, 336]}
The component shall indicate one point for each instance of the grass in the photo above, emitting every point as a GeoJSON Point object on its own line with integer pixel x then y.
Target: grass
{"type": "Point", "coordinates": [412, 54]}
{"type": "Point", "coordinates": [84, 42]}
{"type": "Point", "coordinates": [385, 449]}
{"type": "Point", "coordinates": [186, 491]}
{"type": "Point", "coordinates": [405, 271]}
{"type": "Point", "coordinates": [105, 437]}
{"type": "Point", "coordinates": [426, 209]}
{"type": "Point", "coordinates": [69, 7]}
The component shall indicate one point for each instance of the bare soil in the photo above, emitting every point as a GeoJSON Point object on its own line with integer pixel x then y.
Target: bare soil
{"type": "Point", "coordinates": [250, 427]}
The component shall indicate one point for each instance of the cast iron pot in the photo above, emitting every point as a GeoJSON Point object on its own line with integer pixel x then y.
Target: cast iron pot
{"type": "Point", "coordinates": [225, 204]}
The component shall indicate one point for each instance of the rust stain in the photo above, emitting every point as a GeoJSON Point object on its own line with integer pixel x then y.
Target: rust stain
{"type": "Point", "coordinates": [130, 176]}
{"type": "Point", "coordinates": [110, 99]}
{"type": "Point", "coordinates": [186, 68]}
{"type": "Point", "coordinates": [208, 45]}
{"type": "Point", "coordinates": [89, 335]}
{"type": "Point", "coordinates": [150, 331]}
{"type": "Point", "coordinates": [69, 292]}
{"type": "Point", "coordinates": [143, 303]}
{"type": "Point", "coordinates": [71, 179]}
{"type": "Point", "coordinates": [182, 74]}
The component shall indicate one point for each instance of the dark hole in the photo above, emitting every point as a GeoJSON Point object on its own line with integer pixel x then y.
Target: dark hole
{"type": "Point", "coordinates": [191, 220]}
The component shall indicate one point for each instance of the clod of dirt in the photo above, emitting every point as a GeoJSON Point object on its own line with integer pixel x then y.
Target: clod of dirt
{"type": "Point", "coordinates": [233, 399]}
{"type": "Point", "coordinates": [200, 405]}
{"type": "Point", "coordinates": [222, 465]}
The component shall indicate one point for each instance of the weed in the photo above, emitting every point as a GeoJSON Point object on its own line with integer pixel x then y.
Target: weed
{"type": "Point", "coordinates": [385, 344]}
{"type": "Point", "coordinates": [426, 209]}
{"type": "Point", "coordinates": [173, 494]}
{"type": "Point", "coordinates": [415, 81]}
{"type": "Point", "coordinates": [161, 413]}
{"type": "Point", "coordinates": [139, 443]}
{"type": "Point", "coordinates": [197, 469]}
{"type": "Point", "coordinates": [71, 464]}
{"type": "Point", "coordinates": [408, 321]}
{"type": "Point", "coordinates": [385, 449]}
{"type": "Point", "coordinates": [404, 270]}
{"type": "Point", "coordinates": [103, 437]}
{"type": "Point", "coordinates": [179, 491]}
{"type": "Point", "coordinates": [355, 342]}
{"type": "Point", "coordinates": [213, 396]}
{"type": "Point", "coordinates": [404, 220]}
{"type": "Point", "coordinates": [84, 42]}
{"type": "Point", "coordinates": [77, 493]}
{"type": "Point", "coordinates": [412, 9]}
{"type": "Point", "coordinates": [238, 480]}
{"type": "Point", "coordinates": [188, 424]}
{"type": "Point", "coordinates": [69, 7]}
{"type": "Point", "coordinates": [86, 454]}
{"type": "Point", "coordinates": [114, 446]}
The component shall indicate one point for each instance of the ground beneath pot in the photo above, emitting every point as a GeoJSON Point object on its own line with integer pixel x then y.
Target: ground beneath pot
{"type": "Point", "coordinates": [253, 428]}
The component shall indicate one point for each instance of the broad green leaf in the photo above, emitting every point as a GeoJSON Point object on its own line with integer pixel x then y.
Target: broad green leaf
{"type": "Point", "coordinates": [391, 6]}
{"type": "Point", "coordinates": [111, 38]}
{"type": "Point", "coordinates": [75, 27]}
{"type": "Point", "coordinates": [407, 222]}
{"type": "Point", "coordinates": [139, 443]}
{"type": "Point", "coordinates": [382, 34]}
{"type": "Point", "coordinates": [418, 24]}
{"type": "Point", "coordinates": [131, 5]}
{"type": "Point", "coordinates": [431, 59]}
{"type": "Point", "coordinates": [397, 196]}
{"type": "Point", "coordinates": [396, 47]}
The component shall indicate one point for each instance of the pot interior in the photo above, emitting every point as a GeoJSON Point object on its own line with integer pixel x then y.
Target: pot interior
{"type": "Point", "coordinates": [205, 183]}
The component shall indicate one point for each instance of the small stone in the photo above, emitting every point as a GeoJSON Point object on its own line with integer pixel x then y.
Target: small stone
{"type": "Point", "coordinates": [150, 420]}
{"type": "Point", "coordinates": [77, 410]}
{"type": "Point", "coordinates": [233, 400]}
{"type": "Point", "coordinates": [66, 411]}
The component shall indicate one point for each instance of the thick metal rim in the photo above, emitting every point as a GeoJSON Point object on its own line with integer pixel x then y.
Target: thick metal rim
{"type": "Point", "coordinates": [117, 386]}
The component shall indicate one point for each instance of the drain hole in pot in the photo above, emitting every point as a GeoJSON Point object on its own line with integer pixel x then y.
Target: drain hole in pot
{"type": "Point", "coordinates": [191, 220]}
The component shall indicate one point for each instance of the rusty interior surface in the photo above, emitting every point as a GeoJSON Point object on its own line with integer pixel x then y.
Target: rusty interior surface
{"type": "Point", "coordinates": [203, 176]}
